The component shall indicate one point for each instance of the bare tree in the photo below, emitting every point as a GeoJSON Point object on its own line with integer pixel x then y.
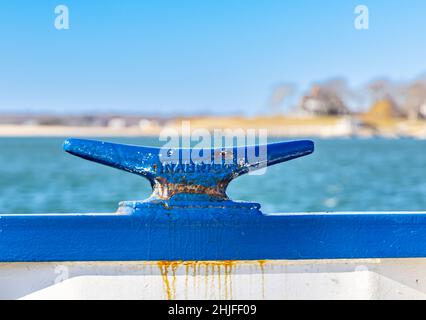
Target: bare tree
{"type": "Point", "coordinates": [415, 99]}
{"type": "Point", "coordinates": [280, 95]}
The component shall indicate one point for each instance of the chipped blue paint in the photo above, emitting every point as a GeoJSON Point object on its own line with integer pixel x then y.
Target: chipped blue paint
{"type": "Point", "coordinates": [200, 224]}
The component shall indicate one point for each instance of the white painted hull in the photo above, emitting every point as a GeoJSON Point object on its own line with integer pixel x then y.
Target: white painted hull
{"type": "Point", "coordinates": [273, 279]}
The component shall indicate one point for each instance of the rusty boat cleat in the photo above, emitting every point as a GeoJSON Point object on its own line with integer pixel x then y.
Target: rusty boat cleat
{"type": "Point", "coordinates": [187, 178]}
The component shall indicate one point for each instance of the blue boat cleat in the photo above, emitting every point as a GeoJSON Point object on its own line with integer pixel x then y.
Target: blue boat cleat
{"type": "Point", "coordinates": [188, 178]}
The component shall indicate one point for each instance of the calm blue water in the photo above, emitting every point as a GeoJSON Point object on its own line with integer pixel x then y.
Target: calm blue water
{"type": "Point", "coordinates": [36, 176]}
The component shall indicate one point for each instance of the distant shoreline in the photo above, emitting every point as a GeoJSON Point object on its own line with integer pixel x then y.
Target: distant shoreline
{"type": "Point", "coordinates": [323, 127]}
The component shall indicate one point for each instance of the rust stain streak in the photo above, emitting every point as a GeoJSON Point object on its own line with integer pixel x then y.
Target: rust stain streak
{"type": "Point", "coordinates": [220, 280]}
{"type": "Point", "coordinates": [169, 271]}
{"type": "Point", "coordinates": [262, 268]}
{"type": "Point", "coordinates": [186, 280]}
{"type": "Point", "coordinates": [206, 280]}
{"type": "Point", "coordinates": [212, 286]}
{"type": "Point", "coordinates": [174, 266]}
{"type": "Point", "coordinates": [164, 269]}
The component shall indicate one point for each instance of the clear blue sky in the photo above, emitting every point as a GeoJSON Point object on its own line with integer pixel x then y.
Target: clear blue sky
{"type": "Point", "coordinates": [221, 56]}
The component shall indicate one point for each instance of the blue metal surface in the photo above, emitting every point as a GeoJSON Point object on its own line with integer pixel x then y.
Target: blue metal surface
{"type": "Point", "coordinates": [182, 178]}
{"type": "Point", "coordinates": [201, 224]}
{"type": "Point", "coordinates": [210, 235]}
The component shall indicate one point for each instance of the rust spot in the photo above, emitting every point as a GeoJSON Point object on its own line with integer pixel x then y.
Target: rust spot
{"type": "Point", "coordinates": [224, 154]}
{"type": "Point", "coordinates": [164, 190]}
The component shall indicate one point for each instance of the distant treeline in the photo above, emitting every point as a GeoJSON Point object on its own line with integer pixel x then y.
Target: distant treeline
{"type": "Point", "coordinates": [336, 97]}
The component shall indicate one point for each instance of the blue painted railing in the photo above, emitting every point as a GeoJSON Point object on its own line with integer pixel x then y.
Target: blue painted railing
{"type": "Point", "coordinates": [189, 217]}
